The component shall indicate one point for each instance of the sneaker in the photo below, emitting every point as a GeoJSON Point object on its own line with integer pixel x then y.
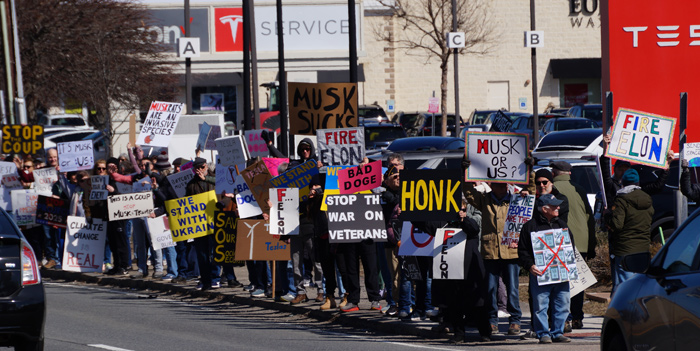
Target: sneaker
{"type": "Point", "coordinates": [409, 316]}
{"type": "Point", "coordinates": [320, 297]}
{"type": "Point", "coordinates": [567, 327]}
{"type": "Point", "coordinates": [456, 339]}
{"type": "Point", "coordinates": [503, 314]}
{"type": "Point", "coordinates": [485, 338]}
{"type": "Point", "coordinates": [215, 285]}
{"type": "Point", "coordinates": [375, 305]}
{"type": "Point", "coordinates": [432, 313]}
{"type": "Point", "coordinates": [577, 324]}
{"type": "Point", "coordinates": [344, 301]}
{"type": "Point", "coordinates": [117, 271]}
{"type": "Point", "coordinates": [201, 287]}
{"type": "Point", "coordinates": [392, 311]}
{"type": "Point", "coordinates": [168, 278]}
{"type": "Point", "coordinates": [545, 339]}
{"type": "Point", "coordinates": [157, 275]}
{"type": "Point", "coordinates": [139, 275]}
{"type": "Point", "coordinates": [179, 280]}
{"type": "Point", "coordinates": [234, 283]}
{"type": "Point", "coordinates": [494, 329]}
{"type": "Point", "coordinates": [299, 299]}
{"type": "Point", "coordinates": [307, 283]}
{"type": "Point", "coordinates": [560, 338]}
{"type": "Point", "coordinates": [530, 334]}
{"type": "Point", "coordinates": [249, 287]}
{"type": "Point", "coordinates": [514, 329]}
{"type": "Point", "coordinates": [50, 264]}
{"type": "Point", "coordinates": [328, 304]}
{"type": "Point", "coordinates": [258, 293]}
{"type": "Point", "coordinates": [349, 307]}
{"type": "Point", "coordinates": [108, 266]}
{"type": "Point", "coordinates": [288, 298]}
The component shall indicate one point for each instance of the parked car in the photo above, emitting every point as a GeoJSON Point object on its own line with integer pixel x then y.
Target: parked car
{"type": "Point", "coordinates": [593, 112]}
{"type": "Point", "coordinates": [525, 125]}
{"type": "Point", "coordinates": [380, 135]}
{"type": "Point", "coordinates": [22, 297]}
{"type": "Point", "coordinates": [421, 123]}
{"type": "Point", "coordinates": [567, 123]}
{"type": "Point", "coordinates": [572, 144]}
{"type": "Point", "coordinates": [488, 122]}
{"type": "Point", "coordinates": [443, 152]}
{"type": "Point", "coordinates": [50, 141]}
{"type": "Point", "coordinates": [69, 120]}
{"type": "Point", "coordinates": [560, 110]}
{"type": "Point", "coordinates": [657, 309]}
{"type": "Point", "coordinates": [479, 116]}
{"type": "Point", "coordinates": [583, 173]}
{"type": "Point", "coordinates": [371, 114]}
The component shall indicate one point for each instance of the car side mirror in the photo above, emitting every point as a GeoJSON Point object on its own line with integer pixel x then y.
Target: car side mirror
{"type": "Point", "coordinates": [636, 263]}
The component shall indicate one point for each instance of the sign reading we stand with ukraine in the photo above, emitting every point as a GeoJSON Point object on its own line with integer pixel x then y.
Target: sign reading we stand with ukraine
{"type": "Point", "coordinates": [191, 216]}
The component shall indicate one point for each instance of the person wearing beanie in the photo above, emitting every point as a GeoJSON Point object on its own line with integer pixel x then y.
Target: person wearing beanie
{"type": "Point", "coordinates": [162, 162]}
{"type": "Point", "coordinates": [629, 224]}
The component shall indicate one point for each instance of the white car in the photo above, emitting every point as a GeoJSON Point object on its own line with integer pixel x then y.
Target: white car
{"type": "Point", "coordinates": [50, 141]}
{"type": "Point", "coordinates": [61, 121]}
{"type": "Point", "coordinates": [570, 144]}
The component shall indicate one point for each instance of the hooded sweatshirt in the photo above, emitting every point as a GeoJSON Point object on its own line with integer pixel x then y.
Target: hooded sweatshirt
{"type": "Point", "coordinates": [630, 221]}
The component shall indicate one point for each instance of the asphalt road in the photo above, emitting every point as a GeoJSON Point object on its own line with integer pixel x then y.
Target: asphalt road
{"type": "Point", "coordinates": [84, 317]}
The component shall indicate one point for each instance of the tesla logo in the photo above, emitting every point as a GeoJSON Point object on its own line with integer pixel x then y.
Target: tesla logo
{"type": "Point", "coordinates": [668, 35]}
{"type": "Point", "coordinates": [233, 21]}
{"type": "Point", "coordinates": [229, 29]}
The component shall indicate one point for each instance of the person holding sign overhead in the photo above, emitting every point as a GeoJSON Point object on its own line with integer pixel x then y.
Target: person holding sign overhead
{"type": "Point", "coordinates": [692, 192]}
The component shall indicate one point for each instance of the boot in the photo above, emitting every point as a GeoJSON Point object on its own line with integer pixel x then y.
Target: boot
{"type": "Point", "coordinates": [320, 297]}
{"type": "Point", "coordinates": [329, 303]}
{"type": "Point", "coordinates": [299, 299]}
{"type": "Point", "coordinates": [344, 301]}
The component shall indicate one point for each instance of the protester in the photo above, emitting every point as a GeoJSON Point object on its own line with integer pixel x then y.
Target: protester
{"type": "Point", "coordinates": [391, 202]}
{"type": "Point", "coordinates": [690, 191]}
{"type": "Point", "coordinates": [116, 230]}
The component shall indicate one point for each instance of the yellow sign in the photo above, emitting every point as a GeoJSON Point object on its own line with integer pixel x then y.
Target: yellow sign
{"type": "Point", "coordinates": [192, 216]}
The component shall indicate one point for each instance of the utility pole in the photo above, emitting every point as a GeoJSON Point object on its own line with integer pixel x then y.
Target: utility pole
{"type": "Point", "coordinates": [352, 26]}
{"type": "Point", "coordinates": [247, 123]}
{"type": "Point", "coordinates": [535, 116]}
{"type": "Point", "coordinates": [188, 63]}
{"type": "Point", "coordinates": [283, 80]}
{"type": "Point", "coordinates": [455, 53]}
{"type": "Point", "coordinates": [21, 105]}
{"type": "Point", "coordinates": [254, 62]}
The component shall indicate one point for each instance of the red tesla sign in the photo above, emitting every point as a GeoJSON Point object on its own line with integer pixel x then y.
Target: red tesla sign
{"type": "Point", "coordinates": [228, 25]}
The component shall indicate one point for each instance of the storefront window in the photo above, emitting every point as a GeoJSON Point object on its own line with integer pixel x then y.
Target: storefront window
{"type": "Point", "coordinates": [217, 99]}
{"type": "Point", "coordinates": [579, 91]}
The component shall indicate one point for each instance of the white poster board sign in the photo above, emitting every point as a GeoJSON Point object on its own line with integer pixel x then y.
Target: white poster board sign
{"type": "Point", "coordinates": [24, 206]}
{"type": "Point", "coordinates": [691, 152]}
{"type": "Point", "coordinates": [44, 179]}
{"type": "Point", "coordinates": [519, 211]}
{"type": "Point", "coordinates": [247, 206]}
{"type": "Point", "coordinates": [179, 181]}
{"type": "Point", "coordinates": [448, 256]}
{"type": "Point", "coordinates": [497, 157]}
{"type": "Point", "coordinates": [414, 242]}
{"type": "Point", "coordinates": [284, 213]}
{"type": "Point", "coordinates": [231, 150]}
{"type": "Point", "coordinates": [160, 124]}
{"type": "Point", "coordinates": [141, 185]}
{"type": "Point", "coordinates": [585, 278]}
{"type": "Point", "coordinates": [159, 230]}
{"type": "Point", "coordinates": [85, 245]}
{"type": "Point", "coordinates": [641, 137]}
{"type": "Point", "coordinates": [7, 168]}
{"type": "Point", "coordinates": [554, 256]}
{"type": "Point", "coordinates": [11, 181]}
{"type": "Point", "coordinates": [128, 206]}
{"type": "Point", "coordinates": [75, 155]}
{"type": "Point", "coordinates": [256, 144]}
{"type": "Point", "coordinates": [341, 146]}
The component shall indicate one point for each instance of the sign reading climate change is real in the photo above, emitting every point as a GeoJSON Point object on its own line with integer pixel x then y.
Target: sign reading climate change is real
{"type": "Point", "coordinates": [314, 106]}
{"type": "Point", "coordinates": [497, 157]}
{"type": "Point", "coordinates": [353, 218]}
{"type": "Point", "coordinates": [641, 137]}
{"type": "Point", "coordinates": [430, 194]}
{"type": "Point", "coordinates": [160, 124]}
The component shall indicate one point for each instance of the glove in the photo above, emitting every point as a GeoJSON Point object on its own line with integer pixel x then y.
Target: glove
{"type": "Point", "coordinates": [466, 163]}
{"type": "Point", "coordinates": [684, 164]}
{"type": "Point", "coordinates": [265, 137]}
{"type": "Point", "coordinates": [529, 161]}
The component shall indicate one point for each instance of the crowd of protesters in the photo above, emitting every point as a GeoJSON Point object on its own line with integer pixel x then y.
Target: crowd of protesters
{"type": "Point", "coordinates": [333, 269]}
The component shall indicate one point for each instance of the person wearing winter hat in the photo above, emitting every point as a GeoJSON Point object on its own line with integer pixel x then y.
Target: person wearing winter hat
{"type": "Point", "coordinates": [162, 162]}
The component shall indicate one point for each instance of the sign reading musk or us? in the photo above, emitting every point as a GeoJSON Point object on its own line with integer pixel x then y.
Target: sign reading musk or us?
{"type": "Point", "coordinates": [497, 157]}
{"type": "Point", "coordinates": [353, 218]}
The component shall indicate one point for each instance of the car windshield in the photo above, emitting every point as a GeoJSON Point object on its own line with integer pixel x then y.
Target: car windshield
{"type": "Point", "coordinates": [480, 116]}
{"type": "Point", "coordinates": [377, 134]}
{"type": "Point", "coordinates": [426, 143]}
{"type": "Point", "coordinates": [71, 137]}
{"type": "Point", "coordinates": [371, 112]}
{"type": "Point", "coordinates": [567, 124]}
{"type": "Point", "coordinates": [69, 121]}
{"type": "Point", "coordinates": [579, 139]}
{"type": "Point", "coordinates": [595, 114]}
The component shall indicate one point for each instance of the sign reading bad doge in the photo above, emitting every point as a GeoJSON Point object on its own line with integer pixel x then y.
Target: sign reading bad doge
{"type": "Point", "coordinates": [641, 137]}
{"type": "Point", "coordinates": [353, 218]}
{"type": "Point", "coordinates": [430, 195]}
{"type": "Point", "coordinates": [497, 157]}
{"type": "Point", "coordinates": [314, 106]}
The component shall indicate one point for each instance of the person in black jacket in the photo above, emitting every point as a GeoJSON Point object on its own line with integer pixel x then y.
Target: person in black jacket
{"type": "Point", "coordinates": [204, 245]}
{"type": "Point", "coordinates": [692, 192]}
{"type": "Point", "coordinates": [545, 218]}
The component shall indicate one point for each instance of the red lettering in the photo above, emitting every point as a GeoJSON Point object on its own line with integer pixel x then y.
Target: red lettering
{"type": "Point", "coordinates": [627, 121]}
{"type": "Point", "coordinates": [280, 194]}
{"type": "Point", "coordinates": [482, 146]}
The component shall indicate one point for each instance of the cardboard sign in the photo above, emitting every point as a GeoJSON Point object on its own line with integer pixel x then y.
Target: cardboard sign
{"type": "Point", "coordinates": [273, 164]}
{"type": "Point", "coordinates": [231, 150]}
{"type": "Point", "coordinates": [51, 211]}
{"type": "Point", "coordinates": [159, 231]}
{"type": "Point", "coordinates": [448, 256]}
{"type": "Point", "coordinates": [179, 181]}
{"type": "Point", "coordinates": [497, 157]}
{"type": "Point", "coordinates": [84, 247]}
{"type": "Point", "coordinates": [22, 139]}
{"type": "Point", "coordinates": [44, 179]}
{"type": "Point", "coordinates": [99, 187]}
{"type": "Point", "coordinates": [341, 146]}
{"type": "Point", "coordinates": [257, 147]}
{"type": "Point", "coordinates": [314, 106]}
{"type": "Point", "coordinates": [554, 256]}
{"type": "Point", "coordinates": [365, 177]}
{"type": "Point", "coordinates": [354, 218]}
{"type": "Point", "coordinates": [641, 137]}
{"type": "Point", "coordinates": [214, 133]}
{"type": "Point", "coordinates": [414, 242]}
{"type": "Point", "coordinates": [225, 234]}
{"type": "Point", "coordinates": [691, 152]}
{"type": "Point", "coordinates": [519, 211]}
{"type": "Point", "coordinates": [254, 243]}
{"type": "Point", "coordinates": [430, 194]}
{"type": "Point", "coordinates": [141, 185]}
{"type": "Point", "coordinates": [24, 206]}
{"type": "Point", "coordinates": [247, 205]}
{"type": "Point", "coordinates": [258, 179]}
{"type": "Point", "coordinates": [127, 206]}
{"type": "Point", "coordinates": [204, 130]}
{"type": "Point", "coordinates": [75, 155]}
{"type": "Point", "coordinates": [192, 216]}
{"type": "Point", "coordinates": [501, 123]}
{"type": "Point", "coordinates": [160, 124]}
{"type": "Point", "coordinates": [284, 213]}
{"type": "Point", "coordinates": [297, 177]}
{"type": "Point", "coordinates": [585, 278]}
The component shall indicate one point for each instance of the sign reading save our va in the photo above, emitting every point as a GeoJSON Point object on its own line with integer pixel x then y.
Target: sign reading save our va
{"type": "Point", "coordinates": [192, 216]}
{"type": "Point", "coordinates": [641, 137]}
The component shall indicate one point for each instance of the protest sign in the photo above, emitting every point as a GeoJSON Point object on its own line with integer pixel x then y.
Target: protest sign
{"type": "Point", "coordinates": [160, 124]}
{"type": "Point", "coordinates": [332, 185]}
{"type": "Point", "coordinates": [225, 233]}
{"type": "Point", "coordinates": [448, 256]}
{"type": "Point", "coordinates": [341, 146]}
{"type": "Point", "coordinates": [24, 206]}
{"type": "Point", "coordinates": [258, 179]}
{"type": "Point", "coordinates": [353, 218]}
{"type": "Point", "coordinates": [231, 150]}
{"type": "Point", "coordinates": [141, 185]}
{"type": "Point", "coordinates": [192, 216]}
{"type": "Point", "coordinates": [11, 181]}
{"type": "Point", "coordinates": [365, 177]}
{"type": "Point", "coordinates": [500, 123]}
{"type": "Point", "coordinates": [415, 242]}
{"type": "Point", "coordinates": [554, 256]}
{"type": "Point", "coordinates": [8, 168]}
{"type": "Point", "coordinates": [284, 213]}
{"type": "Point", "coordinates": [179, 181]}
{"type": "Point", "coordinates": [214, 133]}
{"type": "Point", "coordinates": [273, 164]}
{"type": "Point", "coordinates": [519, 211]}
{"type": "Point", "coordinates": [585, 277]}
{"type": "Point", "coordinates": [187, 165]}
{"type": "Point", "coordinates": [127, 206]}
{"type": "Point", "coordinates": [84, 247]}
{"type": "Point", "coordinates": [124, 188]}
{"type": "Point", "coordinates": [51, 211]}
{"type": "Point", "coordinates": [75, 155]}
{"type": "Point", "coordinates": [412, 268]}
{"type": "Point", "coordinates": [225, 179]}
{"type": "Point", "coordinates": [315, 106]}
{"type": "Point", "coordinates": [99, 187]}
{"type": "Point", "coordinates": [497, 157]}
{"type": "Point", "coordinates": [22, 139]}
{"type": "Point", "coordinates": [255, 243]}
{"type": "Point", "coordinates": [247, 206]}
{"type": "Point", "coordinates": [159, 231]}
{"type": "Point", "coordinates": [297, 177]}
{"type": "Point", "coordinates": [691, 152]}
{"type": "Point", "coordinates": [430, 194]}
{"type": "Point", "coordinates": [257, 147]}
{"type": "Point", "coordinates": [44, 179]}
{"type": "Point", "coordinates": [204, 130]}
{"type": "Point", "coordinates": [641, 137]}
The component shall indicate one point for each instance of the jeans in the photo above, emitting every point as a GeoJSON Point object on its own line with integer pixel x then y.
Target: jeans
{"type": "Point", "coordinates": [228, 273]}
{"type": "Point", "coordinates": [619, 275]}
{"type": "Point", "coordinates": [50, 243]}
{"type": "Point", "coordinates": [386, 275]}
{"type": "Point", "coordinates": [560, 301]}
{"type": "Point", "coordinates": [303, 246]}
{"type": "Point", "coordinates": [509, 270]}
{"type": "Point", "coordinates": [140, 235]}
{"type": "Point", "coordinates": [108, 253]}
{"type": "Point", "coordinates": [204, 247]}
{"type": "Point", "coordinates": [171, 258]}
{"type": "Point", "coordinates": [423, 297]}
{"type": "Point", "coordinates": [128, 228]}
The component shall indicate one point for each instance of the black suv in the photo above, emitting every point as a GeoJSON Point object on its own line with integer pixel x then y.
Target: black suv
{"type": "Point", "coordinates": [22, 299]}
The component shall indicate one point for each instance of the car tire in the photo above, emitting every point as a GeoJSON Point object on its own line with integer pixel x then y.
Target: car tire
{"type": "Point", "coordinates": [31, 345]}
{"type": "Point", "coordinates": [615, 343]}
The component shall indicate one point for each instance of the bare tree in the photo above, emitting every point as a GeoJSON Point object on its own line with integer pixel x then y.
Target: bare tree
{"type": "Point", "coordinates": [424, 25]}
{"type": "Point", "coordinates": [93, 51]}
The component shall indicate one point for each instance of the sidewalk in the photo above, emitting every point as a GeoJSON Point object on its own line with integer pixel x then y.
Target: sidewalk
{"type": "Point", "coordinates": [365, 319]}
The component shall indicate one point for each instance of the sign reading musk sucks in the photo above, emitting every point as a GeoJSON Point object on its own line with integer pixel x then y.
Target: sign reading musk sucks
{"type": "Point", "coordinates": [314, 106]}
{"type": "Point", "coordinates": [160, 124]}
{"type": "Point", "coordinates": [497, 157]}
{"type": "Point", "coordinates": [430, 194]}
{"type": "Point", "coordinates": [353, 218]}
{"type": "Point", "coordinates": [339, 147]}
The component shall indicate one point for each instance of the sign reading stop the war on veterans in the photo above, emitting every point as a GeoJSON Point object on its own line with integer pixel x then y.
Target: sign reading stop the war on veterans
{"type": "Point", "coordinates": [51, 211]}
{"type": "Point", "coordinates": [641, 137]}
{"type": "Point", "coordinates": [22, 139]}
{"type": "Point", "coordinates": [314, 106]}
{"type": "Point", "coordinates": [364, 177]}
{"type": "Point", "coordinates": [254, 242]}
{"type": "Point", "coordinates": [448, 255]}
{"type": "Point", "coordinates": [297, 177]}
{"type": "Point", "coordinates": [159, 231]}
{"type": "Point", "coordinates": [284, 213]}
{"type": "Point", "coordinates": [225, 233]}
{"type": "Point", "coordinates": [160, 124]}
{"type": "Point", "coordinates": [554, 256]}
{"type": "Point", "coordinates": [357, 217]}
{"type": "Point", "coordinates": [257, 147]}
{"type": "Point", "coordinates": [179, 181]}
{"type": "Point", "coordinates": [127, 206]}
{"type": "Point", "coordinates": [75, 155]}
{"type": "Point", "coordinates": [497, 157]}
{"type": "Point", "coordinates": [192, 216]}
{"type": "Point", "coordinates": [44, 179]}
{"type": "Point", "coordinates": [24, 206]}
{"type": "Point", "coordinates": [341, 146]}
{"type": "Point", "coordinates": [84, 248]}
{"type": "Point", "coordinates": [415, 242]}
{"type": "Point", "coordinates": [258, 179]}
{"type": "Point", "coordinates": [519, 211]}
{"type": "Point", "coordinates": [430, 194]}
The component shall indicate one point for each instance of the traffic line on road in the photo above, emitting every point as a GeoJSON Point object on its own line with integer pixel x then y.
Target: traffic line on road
{"type": "Point", "coordinates": [107, 347]}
